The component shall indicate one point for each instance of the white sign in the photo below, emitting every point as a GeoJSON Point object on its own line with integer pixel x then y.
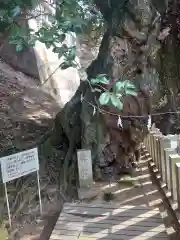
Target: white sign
{"type": "Point", "coordinates": [19, 164]}
{"type": "Point", "coordinates": [85, 167]}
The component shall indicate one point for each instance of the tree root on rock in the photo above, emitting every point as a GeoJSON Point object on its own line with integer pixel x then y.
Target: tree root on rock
{"type": "Point", "coordinates": [69, 155]}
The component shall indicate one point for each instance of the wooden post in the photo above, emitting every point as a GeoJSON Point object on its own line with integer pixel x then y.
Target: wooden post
{"type": "Point", "coordinates": [178, 182]}
{"type": "Point", "coordinates": [178, 144]}
{"type": "Point", "coordinates": [173, 160]}
{"type": "Point", "coordinates": [150, 144]}
{"type": "Point", "coordinates": [155, 133]}
{"type": "Point", "coordinates": [164, 143]}
{"type": "Point", "coordinates": [167, 153]}
{"type": "Point", "coordinates": [154, 148]}
{"type": "Point", "coordinates": [157, 150]}
{"type": "Point", "coordinates": [159, 154]}
{"type": "Point", "coordinates": [145, 142]}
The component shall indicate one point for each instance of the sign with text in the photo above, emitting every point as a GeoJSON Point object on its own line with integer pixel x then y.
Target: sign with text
{"type": "Point", "coordinates": [85, 167]}
{"type": "Point", "coordinates": [19, 164]}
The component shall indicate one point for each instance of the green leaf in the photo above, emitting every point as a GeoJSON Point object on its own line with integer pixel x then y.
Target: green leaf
{"type": "Point", "coordinates": [13, 41]}
{"type": "Point", "coordinates": [119, 95]}
{"type": "Point", "coordinates": [120, 85]}
{"type": "Point", "coordinates": [60, 50]}
{"type": "Point", "coordinates": [104, 98]}
{"type": "Point", "coordinates": [16, 11]}
{"type": "Point", "coordinates": [94, 80]}
{"type": "Point", "coordinates": [72, 53]}
{"type": "Point", "coordinates": [19, 47]}
{"type": "Point", "coordinates": [103, 79]}
{"type": "Point", "coordinates": [130, 85]}
{"type": "Point", "coordinates": [116, 102]}
{"type": "Point", "coordinates": [130, 92]}
{"type": "Point", "coordinates": [100, 79]}
{"type": "Point", "coordinates": [65, 65]}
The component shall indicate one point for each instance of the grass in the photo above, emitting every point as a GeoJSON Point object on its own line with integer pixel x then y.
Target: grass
{"type": "Point", "coordinates": [3, 233]}
{"type": "Point", "coordinates": [129, 181]}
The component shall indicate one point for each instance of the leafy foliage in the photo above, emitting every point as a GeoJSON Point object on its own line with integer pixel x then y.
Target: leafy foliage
{"type": "Point", "coordinates": [114, 96]}
{"type": "Point", "coordinates": [67, 17]}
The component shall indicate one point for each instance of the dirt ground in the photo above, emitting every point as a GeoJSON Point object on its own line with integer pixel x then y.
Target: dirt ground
{"type": "Point", "coordinates": [27, 112]}
{"type": "Point", "coordinates": [26, 109]}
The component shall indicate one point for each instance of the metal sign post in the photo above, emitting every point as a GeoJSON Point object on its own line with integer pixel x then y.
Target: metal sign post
{"type": "Point", "coordinates": [8, 208]}
{"type": "Point", "coordinates": [39, 192]}
{"type": "Point", "coordinates": [18, 165]}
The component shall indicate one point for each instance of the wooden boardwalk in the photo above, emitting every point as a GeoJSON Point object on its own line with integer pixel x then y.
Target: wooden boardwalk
{"type": "Point", "coordinates": [85, 221]}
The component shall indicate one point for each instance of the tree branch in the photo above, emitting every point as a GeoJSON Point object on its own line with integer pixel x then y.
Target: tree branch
{"type": "Point", "coordinates": [104, 7]}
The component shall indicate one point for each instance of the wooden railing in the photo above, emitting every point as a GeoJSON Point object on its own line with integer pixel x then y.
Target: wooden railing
{"type": "Point", "coordinates": [163, 151]}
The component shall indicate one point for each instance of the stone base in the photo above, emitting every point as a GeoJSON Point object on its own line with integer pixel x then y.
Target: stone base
{"type": "Point", "coordinates": [88, 193]}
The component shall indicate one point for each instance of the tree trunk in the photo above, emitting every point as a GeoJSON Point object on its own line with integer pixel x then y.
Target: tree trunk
{"type": "Point", "coordinates": [169, 69]}
{"type": "Point", "coordinates": [128, 50]}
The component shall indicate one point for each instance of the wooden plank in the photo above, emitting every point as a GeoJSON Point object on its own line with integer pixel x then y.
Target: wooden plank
{"type": "Point", "coordinates": [98, 221]}
{"type": "Point", "coordinates": [106, 205]}
{"type": "Point", "coordinates": [118, 237]}
{"type": "Point", "coordinates": [123, 208]}
{"type": "Point", "coordinates": [56, 236]}
{"type": "Point", "coordinates": [102, 219]}
{"type": "Point", "coordinates": [107, 233]}
{"type": "Point", "coordinates": [65, 232]}
{"type": "Point", "coordinates": [115, 237]}
{"type": "Point", "coordinates": [92, 228]}
{"type": "Point", "coordinates": [110, 222]}
{"type": "Point", "coordinates": [116, 212]}
{"type": "Point", "coordinates": [125, 233]}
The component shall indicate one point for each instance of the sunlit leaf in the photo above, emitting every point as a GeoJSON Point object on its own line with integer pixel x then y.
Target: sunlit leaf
{"type": "Point", "coordinates": [94, 80]}
{"type": "Point", "coordinates": [19, 47]}
{"type": "Point", "coordinates": [131, 92]}
{"type": "Point", "coordinates": [104, 98]}
{"type": "Point", "coordinates": [119, 85]}
{"type": "Point", "coordinates": [100, 79]}
{"type": "Point", "coordinates": [119, 95]}
{"type": "Point", "coordinates": [116, 102]}
{"type": "Point", "coordinates": [130, 85]}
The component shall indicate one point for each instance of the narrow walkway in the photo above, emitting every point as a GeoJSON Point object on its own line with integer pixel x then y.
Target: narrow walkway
{"type": "Point", "coordinates": [132, 215]}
